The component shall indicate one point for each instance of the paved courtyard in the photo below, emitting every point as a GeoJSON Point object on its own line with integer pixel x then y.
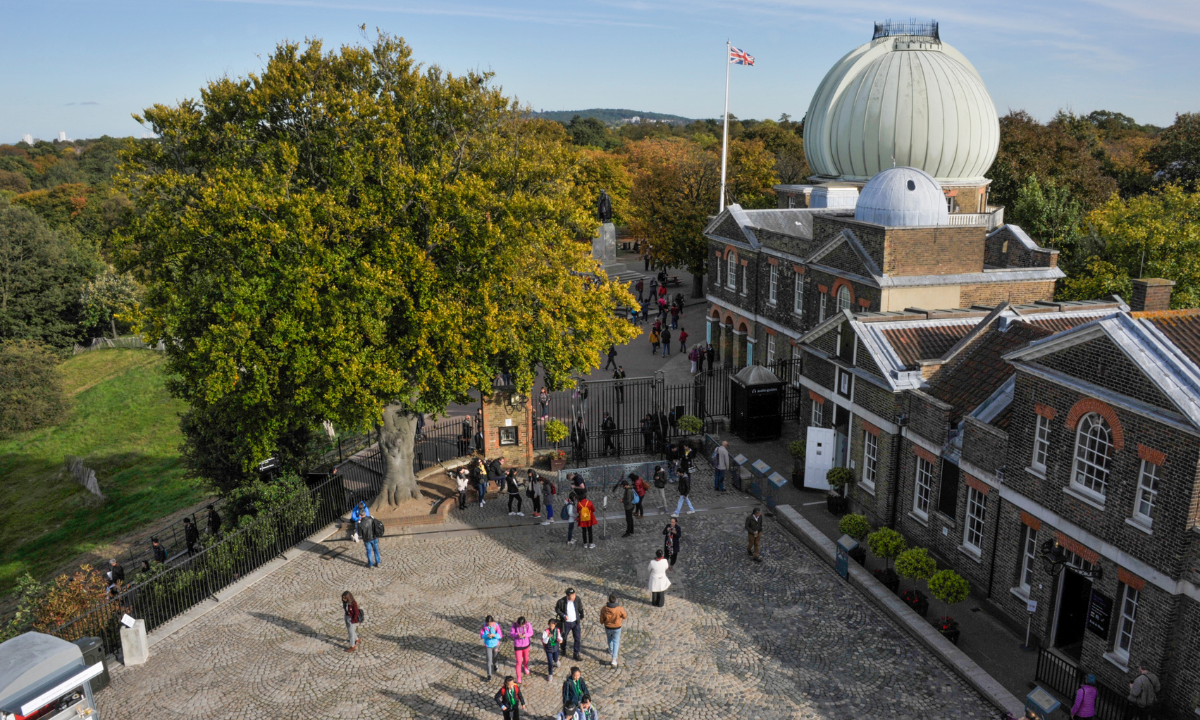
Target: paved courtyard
{"type": "Point", "coordinates": [781, 639]}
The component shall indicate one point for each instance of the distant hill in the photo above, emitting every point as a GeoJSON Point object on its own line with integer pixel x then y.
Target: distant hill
{"type": "Point", "coordinates": [610, 116]}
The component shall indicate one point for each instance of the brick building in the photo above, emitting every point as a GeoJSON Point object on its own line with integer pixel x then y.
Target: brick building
{"type": "Point", "coordinates": [1046, 452]}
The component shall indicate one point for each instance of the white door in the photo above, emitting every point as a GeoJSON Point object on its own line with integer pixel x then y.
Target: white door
{"type": "Point", "coordinates": [818, 457]}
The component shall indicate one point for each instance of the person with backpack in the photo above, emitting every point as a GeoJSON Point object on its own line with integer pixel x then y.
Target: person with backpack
{"type": "Point", "coordinates": [521, 633]}
{"type": "Point", "coordinates": [587, 520]}
{"type": "Point", "coordinates": [510, 699]}
{"type": "Point", "coordinates": [574, 688]}
{"type": "Point", "coordinates": [491, 635]}
{"type": "Point", "coordinates": [552, 640]}
{"type": "Point", "coordinates": [354, 615]}
{"type": "Point", "coordinates": [548, 491]}
{"type": "Point", "coordinates": [660, 482]}
{"type": "Point", "coordinates": [369, 529]}
{"type": "Point", "coordinates": [639, 487]}
{"type": "Point", "coordinates": [1085, 699]}
{"type": "Point", "coordinates": [514, 492]}
{"type": "Point", "coordinates": [666, 341]}
{"type": "Point", "coordinates": [586, 710]}
{"type": "Point", "coordinates": [685, 489]}
{"type": "Point", "coordinates": [533, 488]}
{"type": "Point", "coordinates": [671, 536]}
{"type": "Point", "coordinates": [1143, 692]}
{"type": "Point", "coordinates": [654, 341]}
{"type": "Point", "coordinates": [569, 514]}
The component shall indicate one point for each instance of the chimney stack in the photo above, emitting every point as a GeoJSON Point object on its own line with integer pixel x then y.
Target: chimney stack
{"type": "Point", "coordinates": [1151, 294]}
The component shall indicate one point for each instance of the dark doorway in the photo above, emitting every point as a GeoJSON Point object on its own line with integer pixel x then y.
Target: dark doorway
{"type": "Point", "coordinates": [948, 491]}
{"type": "Point", "coordinates": [841, 426]}
{"type": "Point", "coordinates": [1072, 613]}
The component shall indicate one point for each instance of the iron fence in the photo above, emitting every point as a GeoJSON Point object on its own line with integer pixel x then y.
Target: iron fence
{"type": "Point", "coordinates": [1064, 677]}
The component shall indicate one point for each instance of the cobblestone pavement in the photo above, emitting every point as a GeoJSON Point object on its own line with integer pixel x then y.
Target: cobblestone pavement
{"type": "Point", "coordinates": [781, 639]}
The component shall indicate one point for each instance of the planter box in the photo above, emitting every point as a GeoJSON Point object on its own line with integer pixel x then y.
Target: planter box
{"type": "Point", "coordinates": [920, 605]}
{"type": "Point", "coordinates": [859, 555]}
{"type": "Point", "coordinates": [557, 464]}
{"type": "Point", "coordinates": [889, 578]}
{"type": "Point", "coordinates": [837, 504]}
{"type": "Point", "coordinates": [952, 635]}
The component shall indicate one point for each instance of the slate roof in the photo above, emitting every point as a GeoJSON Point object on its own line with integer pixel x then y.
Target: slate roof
{"type": "Point", "coordinates": [1182, 328]}
{"type": "Point", "coordinates": [977, 375]}
{"type": "Point", "coordinates": [925, 342]}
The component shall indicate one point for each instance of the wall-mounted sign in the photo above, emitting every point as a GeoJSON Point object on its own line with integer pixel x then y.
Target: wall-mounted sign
{"type": "Point", "coordinates": [1099, 613]}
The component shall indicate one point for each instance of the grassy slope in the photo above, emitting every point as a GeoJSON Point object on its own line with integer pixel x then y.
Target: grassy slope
{"type": "Point", "coordinates": [126, 427]}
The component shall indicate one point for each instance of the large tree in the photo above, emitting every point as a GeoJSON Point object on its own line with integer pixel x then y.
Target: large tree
{"type": "Point", "coordinates": [1177, 154]}
{"type": "Point", "coordinates": [1051, 152]}
{"type": "Point", "coordinates": [351, 236]}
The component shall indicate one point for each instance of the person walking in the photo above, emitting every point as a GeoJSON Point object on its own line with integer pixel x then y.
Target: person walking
{"type": "Point", "coordinates": [660, 482]}
{"type": "Point", "coordinates": [1085, 699]}
{"type": "Point", "coordinates": [612, 616]}
{"type": "Point", "coordinates": [587, 520]}
{"type": "Point", "coordinates": [544, 403]}
{"type": "Point", "coordinates": [491, 635]}
{"type": "Point", "coordinates": [693, 354]}
{"type": "Point", "coordinates": [653, 289]}
{"type": "Point", "coordinates": [368, 529]}
{"type": "Point", "coordinates": [569, 611]}
{"type": "Point", "coordinates": [510, 699]}
{"type": "Point", "coordinates": [478, 478]}
{"type": "Point", "coordinates": [521, 633]}
{"type": "Point", "coordinates": [671, 455]}
{"type": "Point", "coordinates": [547, 490]}
{"type": "Point", "coordinates": [659, 582]}
{"type": "Point", "coordinates": [674, 316]}
{"type": "Point", "coordinates": [639, 487]}
{"type": "Point", "coordinates": [552, 640]}
{"type": "Point", "coordinates": [569, 513]}
{"type": "Point", "coordinates": [514, 492]}
{"type": "Point", "coordinates": [641, 286]}
{"type": "Point", "coordinates": [574, 688]}
{"type": "Point", "coordinates": [191, 535]}
{"type": "Point", "coordinates": [699, 358]}
{"type": "Point", "coordinates": [116, 573]}
{"type": "Point", "coordinates": [710, 354]}
{"type": "Point", "coordinates": [684, 486]}
{"type": "Point", "coordinates": [214, 521]}
{"type": "Point", "coordinates": [671, 535]}
{"type": "Point", "coordinates": [654, 337]}
{"type": "Point", "coordinates": [579, 440]}
{"type": "Point", "coordinates": [160, 552]}
{"type": "Point", "coordinates": [720, 465]}
{"type": "Point", "coordinates": [463, 480]}
{"type": "Point", "coordinates": [567, 713]}
{"type": "Point", "coordinates": [608, 426]}
{"type": "Point", "coordinates": [533, 491]}
{"type": "Point", "coordinates": [612, 357]}
{"type": "Point", "coordinates": [628, 503]}
{"type": "Point", "coordinates": [666, 341]}
{"type": "Point", "coordinates": [647, 434]}
{"type": "Point", "coordinates": [1143, 693]}
{"type": "Point", "coordinates": [354, 615]}
{"type": "Point", "coordinates": [586, 709]}
{"type": "Point", "coordinates": [754, 527]}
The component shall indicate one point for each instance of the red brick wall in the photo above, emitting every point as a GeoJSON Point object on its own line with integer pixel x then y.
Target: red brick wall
{"type": "Point", "coordinates": [1017, 293]}
{"type": "Point", "coordinates": [933, 250]}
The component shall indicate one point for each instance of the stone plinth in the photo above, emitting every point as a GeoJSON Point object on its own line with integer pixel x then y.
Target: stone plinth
{"type": "Point", "coordinates": [134, 648]}
{"type": "Point", "coordinates": [604, 248]}
{"type": "Point", "coordinates": [508, 427]}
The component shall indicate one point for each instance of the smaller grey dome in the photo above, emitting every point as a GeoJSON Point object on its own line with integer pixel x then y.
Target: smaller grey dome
{"type": "Point", "coordinates": [902, 197]}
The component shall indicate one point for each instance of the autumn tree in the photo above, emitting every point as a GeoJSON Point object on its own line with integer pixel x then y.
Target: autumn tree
{"type": "Point", "coordinates": [1029, 148]}
{"type": "Point", "coordinates": [1177, 154]}
{"type": "Point", "coordinates": [785, 141]}
{"type": "Point", "coordinates": [354, 237]}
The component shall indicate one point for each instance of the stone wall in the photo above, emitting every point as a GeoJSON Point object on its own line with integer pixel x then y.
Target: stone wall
{"type": "Point", "coordinates": [499, 413]}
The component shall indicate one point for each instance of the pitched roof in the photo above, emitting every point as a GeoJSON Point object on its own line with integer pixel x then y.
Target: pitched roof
{"type": "Point", "coordinates": [1182, 328]}
{"type": "Point", "coordinates": [926, 341]}
{"type": "Point", "coordinates": [977, 375]}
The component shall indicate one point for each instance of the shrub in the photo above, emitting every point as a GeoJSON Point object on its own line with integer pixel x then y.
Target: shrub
{"type": "Point", "coordinates": [556, 431]}
{"type": "Point", "coordinates": [689, 425]}
{"type": "Point", "coordinates": [886, 544]}
{"type": "Point", "coordinates": [949, 587]}
{"type": "Point", "coordinates": [797, 449]}
{"type": "Point", "coordinates": [839, 477]}
{"type": "Point", "coordinates": [915, 564]}
{"type": "Point", "coordinates": [856, 526]}
{"type": "Point", "coordinates": [30, 394]}
{"type": "Point", "coordinates": [69, 596]}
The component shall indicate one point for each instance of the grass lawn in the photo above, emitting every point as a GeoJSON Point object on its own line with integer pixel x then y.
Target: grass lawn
{"type": "Point", "coordinates": [126, 427]}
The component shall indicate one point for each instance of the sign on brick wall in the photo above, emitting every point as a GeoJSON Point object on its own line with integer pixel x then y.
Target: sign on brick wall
{"type": "Point", "coordinates": [1099, 613]}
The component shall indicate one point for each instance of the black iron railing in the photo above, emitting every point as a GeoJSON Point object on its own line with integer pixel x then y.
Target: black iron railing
{"type": "Point", "coordinates": [1064, 677]}
{"type": "Point", "coordinates": [887, 28]}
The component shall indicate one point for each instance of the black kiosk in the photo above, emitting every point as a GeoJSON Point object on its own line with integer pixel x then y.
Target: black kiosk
{"type": "Point", "coordinates": [756, 397]}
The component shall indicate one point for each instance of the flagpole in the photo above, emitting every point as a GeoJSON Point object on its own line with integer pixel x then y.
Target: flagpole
{"type": "Point", "coordinates": [725, 132]}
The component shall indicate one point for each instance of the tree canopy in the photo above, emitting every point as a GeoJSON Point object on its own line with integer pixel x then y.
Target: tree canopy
{"type": "Point", "coordinates": [349, 234]}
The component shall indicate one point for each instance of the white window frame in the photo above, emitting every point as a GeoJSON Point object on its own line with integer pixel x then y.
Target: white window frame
{"type": "Point", "coordinates": [798, 295]}
{"type": "Point", "coordinates": [870, 459]}
{"type": "Point", "coordinates": [821, 317]}
{"type": "Point", "coordinates": [770, 349]}
{"type": "Point", "coordinates": [791, 201]}
{"type": "Point", "coordinates": [818, 414]}
{"type": "Point", "coordinates": [1028, 559]}
{"type": "Point", "coordinates": [843, 298]}
{"type": "Point", "coordinates": [731, 271]}
{"type": "Point", "coordinates": [1126, 622]}
{"type": "Point", "coordinates": [923, 488]}
{"type": "Point", "coordinates": [773, 295]}
{"type": "Point", "coordinates": [1146, 499]}
{"type": "Point", "coordinates": [745, 280]}
{"type": "Point", "coordinates": [1093, 454]}
{"type": "Point", "coordinates": [1041, 443]}
{"type": "Point", "coordinates": [975, 521]}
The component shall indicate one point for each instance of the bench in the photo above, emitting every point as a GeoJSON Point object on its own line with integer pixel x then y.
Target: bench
{"type": "Point", "coordinates": [673, 281]}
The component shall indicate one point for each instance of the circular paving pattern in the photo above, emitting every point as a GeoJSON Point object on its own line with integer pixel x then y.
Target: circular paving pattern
{"type": "Point", "coordinates": [781, 639]}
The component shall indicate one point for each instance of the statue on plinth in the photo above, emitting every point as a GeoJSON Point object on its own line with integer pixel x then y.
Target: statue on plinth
{"type": "Point", "coordinates": [604, 208]}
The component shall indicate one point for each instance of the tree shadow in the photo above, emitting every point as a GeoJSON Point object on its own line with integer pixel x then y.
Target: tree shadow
{"type": "Point", "coordinates": [296, 627]}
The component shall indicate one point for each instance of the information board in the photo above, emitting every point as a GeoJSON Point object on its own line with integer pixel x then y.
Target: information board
{"type": "Point", "coordinates": [1099, 613]}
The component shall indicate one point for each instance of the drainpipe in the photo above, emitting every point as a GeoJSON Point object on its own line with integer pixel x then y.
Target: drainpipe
{"type": "Point", "coordinates": [995, 539]}
{"type": "Point", "coordinates": [901, 423]}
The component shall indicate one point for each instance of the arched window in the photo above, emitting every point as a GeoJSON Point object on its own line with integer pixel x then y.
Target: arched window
{"type": "Point", "coordinates": [1093, 450]}
{"type": "Point", "coordinates": [843, 298]}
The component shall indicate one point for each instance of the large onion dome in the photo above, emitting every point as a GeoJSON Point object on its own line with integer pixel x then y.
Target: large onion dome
{"type": "Point", "coordinates": [902, 99]}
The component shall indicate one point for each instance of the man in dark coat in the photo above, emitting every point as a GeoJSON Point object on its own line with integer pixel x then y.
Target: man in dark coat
{"type": "Point", "coordinates": [612, 357]}
{"type": "Point", "coordinates": [604, 208]}
{"type": "Point", "coordinates": [569, 617]}
{"type": "Point", "coordinates": [191, 535]}
{"type": "Point", "coordinates": [579, 440]}
{"type": "Point", "coordinates": [160, 552]}
{"type": "Point", "coordinates": [214, 521]}
{"type": "Point", "coordinates": [609, 427]}
{"type": "Point", "coordinates": [367, 532]}
{"type": "Point", "coordinates": [711, 354]}
{"type": "Point", "coordinates": [627, 504]}
{"type": "Point", "coordinates": [754, 527]}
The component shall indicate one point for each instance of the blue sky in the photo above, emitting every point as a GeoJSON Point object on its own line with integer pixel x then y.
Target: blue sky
{"type": "Point", "coordinates": [85, 67]}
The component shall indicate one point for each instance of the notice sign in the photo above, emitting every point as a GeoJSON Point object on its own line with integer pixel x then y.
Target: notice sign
{"type": "Point", "coordinates": [1099, 613]}
{"type": "Point", "coordinates": [127, 621]}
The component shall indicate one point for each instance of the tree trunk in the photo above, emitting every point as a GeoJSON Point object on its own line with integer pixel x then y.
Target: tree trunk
{"type": "Point", "coordinates": [113, 320]}
{"type": "Point", "coordinates": [697, 285]}
{"type": "Point", "coordinates": [396, 443]}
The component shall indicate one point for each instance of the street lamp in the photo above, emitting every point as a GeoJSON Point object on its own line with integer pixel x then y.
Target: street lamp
{"type": "Point", "coordinates": [1057, 557]}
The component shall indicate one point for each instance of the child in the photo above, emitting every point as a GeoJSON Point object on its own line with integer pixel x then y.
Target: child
{"type": "Point", "coordinates": [548, 491]}
{"type": "Point", "coordinates": [551, 641]}
{"type": "Point", "coordinates": [568, 513]}
{"type": "Point", "coordinates": [509, 697]}
{"type": "Point", "coordinates": [492, 635]}
{"type": "Point", "coordinates": [521, 632]}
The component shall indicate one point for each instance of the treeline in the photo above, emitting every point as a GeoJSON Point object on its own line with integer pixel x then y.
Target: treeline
{"type": "Point", "coordinates": [1117, 198]}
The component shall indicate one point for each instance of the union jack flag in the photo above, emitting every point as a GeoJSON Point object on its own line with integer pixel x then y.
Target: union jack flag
{"type": "Point", "coordinates": [740, 57]}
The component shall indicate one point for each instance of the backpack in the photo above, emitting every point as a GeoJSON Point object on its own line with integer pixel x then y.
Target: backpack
{"type": "Point", "coordinates": [378, 525]}
{"type": "Point", "coordinates": [585, 514]}
{"type": "Point", "coordinates": [553, 489]}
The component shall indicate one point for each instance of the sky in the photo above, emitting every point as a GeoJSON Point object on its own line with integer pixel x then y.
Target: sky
{"type": "Point", "coordinates": [86, 67]}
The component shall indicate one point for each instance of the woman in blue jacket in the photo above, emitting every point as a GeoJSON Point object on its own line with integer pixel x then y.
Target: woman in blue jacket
{"type": "Point", "coordinates": [492, 635]}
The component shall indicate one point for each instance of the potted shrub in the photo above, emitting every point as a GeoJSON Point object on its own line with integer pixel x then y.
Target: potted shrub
{"type": "Point", "coordinates": [836, 500]}
{"type": "Point", "coordinates": [857, 527]}
{"type": "Point", "coordinates": [949, 587]}
{"type": "Point", "coordinates": [797, 449]}
{"type": "Point", "coordinates": [887, 544]}
{"type": "Point", "coordinates": [915, 564]}
{"type": "Point", "coordinates": [556, 432]}
{"type": "Point", "coordinates": [689, 425]}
